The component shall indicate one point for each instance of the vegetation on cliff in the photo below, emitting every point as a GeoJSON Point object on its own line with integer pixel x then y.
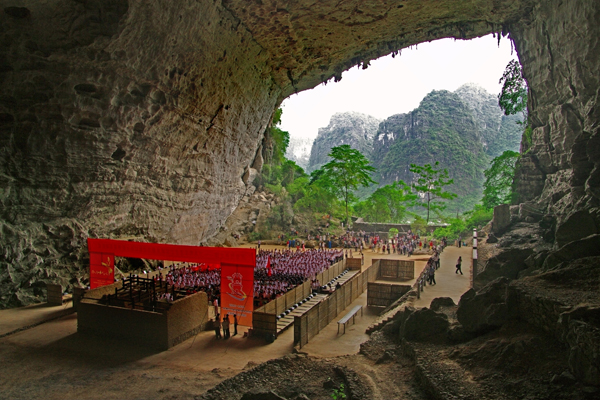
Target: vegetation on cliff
{"type": "Point", "coordinates": [442, 129]}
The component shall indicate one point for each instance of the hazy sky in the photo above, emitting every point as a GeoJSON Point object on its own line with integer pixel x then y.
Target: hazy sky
{"type": "Point", "coordinates": [397, 85]}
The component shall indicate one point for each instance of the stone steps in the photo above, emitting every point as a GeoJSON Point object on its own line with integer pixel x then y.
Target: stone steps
{"type": "Point", "coordinates": [288, 320]}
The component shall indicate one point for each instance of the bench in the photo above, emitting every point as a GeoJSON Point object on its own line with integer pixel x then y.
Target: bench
{"type": "Point", "coordinates": [351, 314]}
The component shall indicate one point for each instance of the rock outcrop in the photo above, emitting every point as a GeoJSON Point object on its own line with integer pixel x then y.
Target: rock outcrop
{"type": "Point", "coordinates": [144, 119]}
{"type": "Point", "coordinates": [498, 131]}
{"type": "Point", "coordinates": [352, 128]}
{"type": "Point", "coordinates": [444, 129]}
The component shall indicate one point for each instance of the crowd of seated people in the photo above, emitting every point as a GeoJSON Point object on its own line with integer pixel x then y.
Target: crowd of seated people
{"type": "Point", "coordinates": [278, 271]}
{"type": "Point", "coordinates": [289, 267]}
{"type": "Point", "coordinates": [286, 270]}
{"type": "Point", "coordinates": [193, 278]}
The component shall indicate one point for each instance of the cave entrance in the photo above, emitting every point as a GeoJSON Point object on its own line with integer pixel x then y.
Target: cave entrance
{"type": "Point", "coordinates": [412, 84]}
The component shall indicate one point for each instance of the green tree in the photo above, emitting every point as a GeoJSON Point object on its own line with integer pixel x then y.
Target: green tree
{"type": "Point", "coordinates": [513, 97]}
{"type": "Point", "coordinates": [419, 225]}
{"type": "Point", "coordinates": [497, 188]}
{"type": "Point", "coordinates": [451, 231]}
{"type": "Point", "coordinates": [347, 170]}
{"type": "Point", "coordinates": [430, 184]}
{"type": "Point", "coordinates": [478, 216]}
{"type": "Point", "coordinates": [319, 194]}
{"type": "Point", "coordinates": [387, 203]}
{"type": "Point", "coordinates": [275, 141]}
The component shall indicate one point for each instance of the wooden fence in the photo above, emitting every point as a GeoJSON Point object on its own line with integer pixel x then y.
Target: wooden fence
{"type": "Point", "coordinates": [262, 323]}
{"type": "Point", "coordinates": [311, 323]}
{"type": "Point", "coordinates": [354, 263]}
{"type": "Point", "coordinates": [402, 270]}
{"type": "Point", "coordinates": [383, 294]}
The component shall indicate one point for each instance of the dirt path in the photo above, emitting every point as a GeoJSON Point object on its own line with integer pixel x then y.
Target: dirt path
{"type": "Point", "coordinates": [449, 283]}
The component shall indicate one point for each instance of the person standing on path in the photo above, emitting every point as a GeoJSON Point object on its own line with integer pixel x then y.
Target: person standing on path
{"type": "Point", "coordinates": [431, 269]}
{"type": "Point", "coordinates": [225, 325]}
{"type": "Point", "coordinates": [458, 266]}
{"type": "Point", "coordinates": [217, 327]}
{"type": "Point", "coordinates": [235, 323]}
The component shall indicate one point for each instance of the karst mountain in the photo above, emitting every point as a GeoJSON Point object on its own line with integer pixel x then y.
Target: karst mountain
{"type": "Point", "coordinates": [463, 130]}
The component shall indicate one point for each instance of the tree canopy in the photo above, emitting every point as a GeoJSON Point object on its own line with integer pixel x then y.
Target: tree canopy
{"type": "Point", "coordinates": [497, 188]}
{"type": "Point", "coordinates": [387, 203]}
{"type": "Point", "coordinates": [430, 183]}
{"type": "Point", "coordinates": [276, 141]}
{"type": "Point", "coordinates": [513, 97]}
{"type": "Point", "coordinates": [347, 170]}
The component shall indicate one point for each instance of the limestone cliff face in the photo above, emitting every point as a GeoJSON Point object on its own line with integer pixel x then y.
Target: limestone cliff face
{"type": "Point", "coordinates": [124, 120]}
{"type": "Point", "coordinates": [352, 128]}
{"type": "Point", "coordinates": [444, 129]}
{"type": "Point", "coordinates": [299, 151]}
{"type": "Point", "coordinates": [143, 118]}
{"type": "Point", "coordinates": [560, 173]}
{"type": "Point", "coordinates": [498, 131]}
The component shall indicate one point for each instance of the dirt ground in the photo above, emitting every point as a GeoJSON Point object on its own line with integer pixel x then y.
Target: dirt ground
{"type": "Point", "coordinates": [52, 361]}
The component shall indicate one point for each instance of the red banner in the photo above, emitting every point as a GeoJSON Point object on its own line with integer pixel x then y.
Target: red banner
{"type": "Point", "coordinates": [102, 269]}
{"type": "Point", "coordinates": [237, 273]}
{"type": "Point", "coordinates": [237, 292]}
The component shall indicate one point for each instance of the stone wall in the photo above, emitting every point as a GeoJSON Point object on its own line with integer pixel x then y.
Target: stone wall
{"type": "Point", "coordinates": [184, 318]}
{"type": "Point", "coordinates": [121, 119]}
{"type": "Point", "coordinates": [558, 47]}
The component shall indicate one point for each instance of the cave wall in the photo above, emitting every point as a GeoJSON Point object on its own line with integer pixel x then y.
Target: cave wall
{"type": "Point", "coordinates": [120, 119]}
{"type": "Point", "coordinates": [558, 44]}
{"type": "Point", "coordinates": [143, 118]}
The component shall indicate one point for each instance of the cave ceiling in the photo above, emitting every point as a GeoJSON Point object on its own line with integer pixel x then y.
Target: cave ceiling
{"type": "Point", "coordinates": [309, 42]}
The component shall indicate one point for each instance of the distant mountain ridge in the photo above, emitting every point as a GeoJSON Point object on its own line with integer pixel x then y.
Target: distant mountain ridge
{"type": "Point", "coordinates": [443, 128]}
{"type": "Point", "coordinates": [298, 151]}
{"type": "Point", "coordinates": [463, 130]}
{"type": "Point", "coordinates": [352, 128]}
{"type": "Point", "coordinates": [498, 131]}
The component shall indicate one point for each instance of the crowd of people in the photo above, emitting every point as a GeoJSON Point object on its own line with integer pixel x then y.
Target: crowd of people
{"type": "Point", "coordinates": [276, 272]}
{"type": "Point", "coordinates": [401, 243]}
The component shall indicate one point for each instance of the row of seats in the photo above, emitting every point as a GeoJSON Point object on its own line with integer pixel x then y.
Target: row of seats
{"type": "Point", "coordinates": [331, 282]}
{"type": "Point", "coordinates": [292, 308]}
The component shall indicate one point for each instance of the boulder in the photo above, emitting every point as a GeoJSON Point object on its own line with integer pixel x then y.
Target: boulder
{"type": "Point", "coordinates": [580, 329]}
{"type": "Point", "coordinates": [587, 247]}
{"type": "Point", "coordinates": [501, 219]}
{"type": "Point", "coordinates": [488, 309]}
{"type": "Point", "coordinates": [424, 325]}
{"type": "Point", "coordinates": [492, 238]}
{"type": "Point", "coordinates": [576, 226]}
{"type": "Point", "coordinates": [439, 302]}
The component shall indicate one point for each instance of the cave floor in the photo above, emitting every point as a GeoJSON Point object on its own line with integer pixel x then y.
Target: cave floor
{"type": "Point", "coordinates": [51, 360]}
